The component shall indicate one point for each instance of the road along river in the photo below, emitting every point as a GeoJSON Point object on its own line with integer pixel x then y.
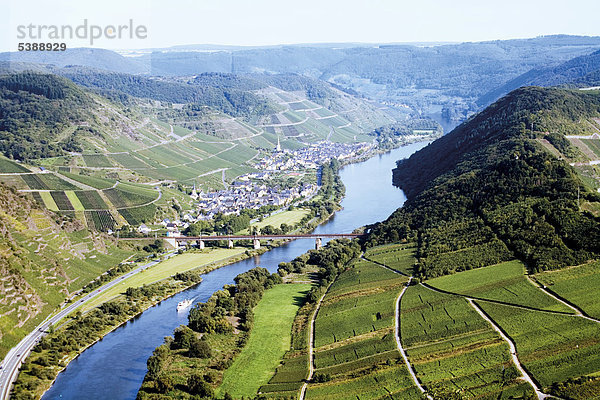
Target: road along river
{"type": "Point", "coordinates": [114, 367]}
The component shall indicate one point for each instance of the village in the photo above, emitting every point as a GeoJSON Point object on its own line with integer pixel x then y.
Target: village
{"type": "Point", "coordinates": [312, 156]}
{"type": "Point", "coordinates": [249, 195]}
{"type": "Point", "coordinates": [253, 191]}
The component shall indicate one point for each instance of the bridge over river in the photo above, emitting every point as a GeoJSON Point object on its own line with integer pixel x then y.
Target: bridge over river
{"type": "Point", "coordinates": [177, 240]}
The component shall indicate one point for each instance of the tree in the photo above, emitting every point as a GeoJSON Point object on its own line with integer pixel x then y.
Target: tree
{"type": "Point", "coordinates": [164, 384]}
{"type": "Point", "coordinates": [199, 348]}
{"type": "Point", "coordinates": [183, 337]}
{"type": "Point", "coordinates": [154, 367]}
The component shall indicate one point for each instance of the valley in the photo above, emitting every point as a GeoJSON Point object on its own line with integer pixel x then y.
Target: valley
{"type": "Point", "coordinates": [474, 276]}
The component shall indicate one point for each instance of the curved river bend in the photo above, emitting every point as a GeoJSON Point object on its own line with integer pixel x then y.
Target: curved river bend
{"type": "Point", "coordinates": [114, 367]}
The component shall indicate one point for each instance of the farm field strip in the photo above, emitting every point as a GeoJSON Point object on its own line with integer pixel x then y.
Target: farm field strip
{"type": "Point", "coordinates": [535, 332]}
{"type": "Point", "coordinates": [504, 283]}
{"type": "Point", "coordinates": [398, 258]}
{"type": "Point", "coordinates": [574, 285]}
{"type": "Point", "coordinates": [578, 312]}
{"type": "Point", "coordinates": [311, 344]}
{"type": "Point", "coordinates": [10, 167]}
{"type": "Point", "coordinates": [451, 347]}
{"type": "Point", "coordinates": [398, 339]}
{"type": "Point", "coordinates": [362, 340]}
{"type": "Point", "coordinates": [513, 349]}
{"type": "Point", "coordinates": [392, 382]}
{"type": "Point", "coordinates": [552, 348]}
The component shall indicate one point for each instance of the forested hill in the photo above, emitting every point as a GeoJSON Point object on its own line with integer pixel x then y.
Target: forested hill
{"type": "Point", "coordinates": [488, 191]}
{"type": "Point", "coordinates": [34, 110]}
{"type": "Point", "coordinates": [225, 92]}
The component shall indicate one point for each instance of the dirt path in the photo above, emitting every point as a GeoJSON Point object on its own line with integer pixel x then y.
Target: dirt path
{"type": "Point", "coordinates": [311, 345]}
{"type": "Point", "coordinates": [409, 366]}
{"type": "Point", "coordinates": [513, 349]}
{"type": "Point", "coordinates": [578, 311]}
{"type": "Point", "coordinates": [397, 315]}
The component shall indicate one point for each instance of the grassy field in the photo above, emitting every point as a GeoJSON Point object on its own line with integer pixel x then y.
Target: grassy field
{"type": "Point", "coordinates": [127, 195]}
{"type": "Point", "coordinates": [138, 215]}
{"type": "Point", "coordinates": [400, 257]}
{"type": "Point", "coordinates": [269, 339]}
{"type": "Point", "coordinates": [286, 217]}
{"type": "Point", "coordinates": [505, 282]}
{"type": "Point", "coordinates": [363, 276]}
{"type": "Point", "coordinates": [74, 200]}
{"type": "Point", "coordinates": [552, 347]}
{"type": "Point", "coordinates": [8, 166]}
{"type": "Point", "coordinates": [93, 181]}
{"type": "Point", "coordinates": [97, 160]}
{"type": "Point", "coordinates": [48, 201]}
{"type": "Point", "coordinates": [47, 182]}
{"type": "Point", "coordinates": [165, 269]}
{"type": "Point", "coordinates": [576, 284]}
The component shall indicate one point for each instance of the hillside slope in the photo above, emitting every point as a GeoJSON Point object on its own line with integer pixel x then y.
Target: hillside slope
{"type": "Point", "coordinates": [489, 191]}
{"type": "Point", "coordinates": [44, 258]}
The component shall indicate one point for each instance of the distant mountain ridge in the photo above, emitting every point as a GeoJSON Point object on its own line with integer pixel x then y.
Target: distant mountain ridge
{"type": "Point", "coordinates": [420, 76]}
{"type": "Point", "coordinates": [579, 71]}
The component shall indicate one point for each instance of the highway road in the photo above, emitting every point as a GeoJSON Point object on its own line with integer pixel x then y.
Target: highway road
{"type": "Point", "coordinates": [15, 357]}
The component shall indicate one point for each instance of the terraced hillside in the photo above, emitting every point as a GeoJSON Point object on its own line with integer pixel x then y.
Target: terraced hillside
{"type": "Point", "coordinates": [377, 335]}
{"type": "Point", "coordinates": [152, 140]}
{"type": "Point", "coordinates": [44, 259]}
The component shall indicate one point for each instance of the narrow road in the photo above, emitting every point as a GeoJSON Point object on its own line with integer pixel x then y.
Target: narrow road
{"type": "Point", "coordinates": [397, 333]}
{"type": "Point", "coordinates": [311, 340]}
{"type": "Point", "coordinates": [578, 311]}
{"type": "Point", "coordinates": [9, 368]}
{"type": "Point", "coordinates": [513, 351]}
{"type": "Point", "coordinates": [411, 371]}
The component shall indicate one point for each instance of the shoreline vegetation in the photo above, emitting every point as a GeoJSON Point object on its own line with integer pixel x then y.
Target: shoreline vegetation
{"type": "Point", "coordinates": [226, 323]}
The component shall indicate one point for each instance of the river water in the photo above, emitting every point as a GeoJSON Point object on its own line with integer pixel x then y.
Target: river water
{"type": "Point", "coordinates": [114, 368]}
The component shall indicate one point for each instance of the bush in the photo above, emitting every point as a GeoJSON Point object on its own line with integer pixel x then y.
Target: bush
{"type": "Point", "coordinates": [197, 385]}
{"type": "Point", "coordinates": [199, 348]}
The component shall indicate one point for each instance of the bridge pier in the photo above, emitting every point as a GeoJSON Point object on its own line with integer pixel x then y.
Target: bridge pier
{"type": "Point", "coordinates": [172, 242]}
{"type": "Point", "coordinates": [256, 244]}
{"type": "Point", "coordinates": [200, 244]}
{"type": "Point", "coordinates": [230, 243]}
{"type": "Point", "coordinates": [318, 243]}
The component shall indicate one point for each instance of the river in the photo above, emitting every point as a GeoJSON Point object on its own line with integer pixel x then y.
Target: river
{"type": "Point", "coordinates": [114, 367]}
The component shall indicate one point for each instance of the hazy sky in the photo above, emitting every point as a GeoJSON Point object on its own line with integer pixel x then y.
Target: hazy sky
{"type": "Point", "coordinates": [262, 22]}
